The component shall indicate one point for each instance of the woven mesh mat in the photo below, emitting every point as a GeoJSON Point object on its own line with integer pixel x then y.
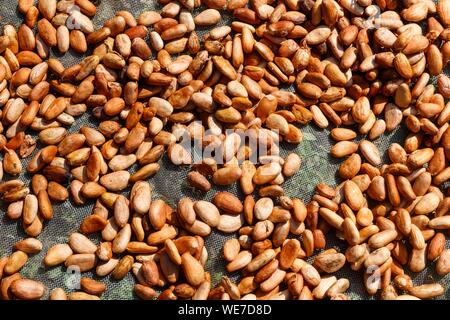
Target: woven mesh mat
{"type": "Point", "coordinates": [170, 184]}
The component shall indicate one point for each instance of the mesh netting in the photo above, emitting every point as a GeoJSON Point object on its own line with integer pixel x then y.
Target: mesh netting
{"type": "Point", "coordinates": [170, 185]}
